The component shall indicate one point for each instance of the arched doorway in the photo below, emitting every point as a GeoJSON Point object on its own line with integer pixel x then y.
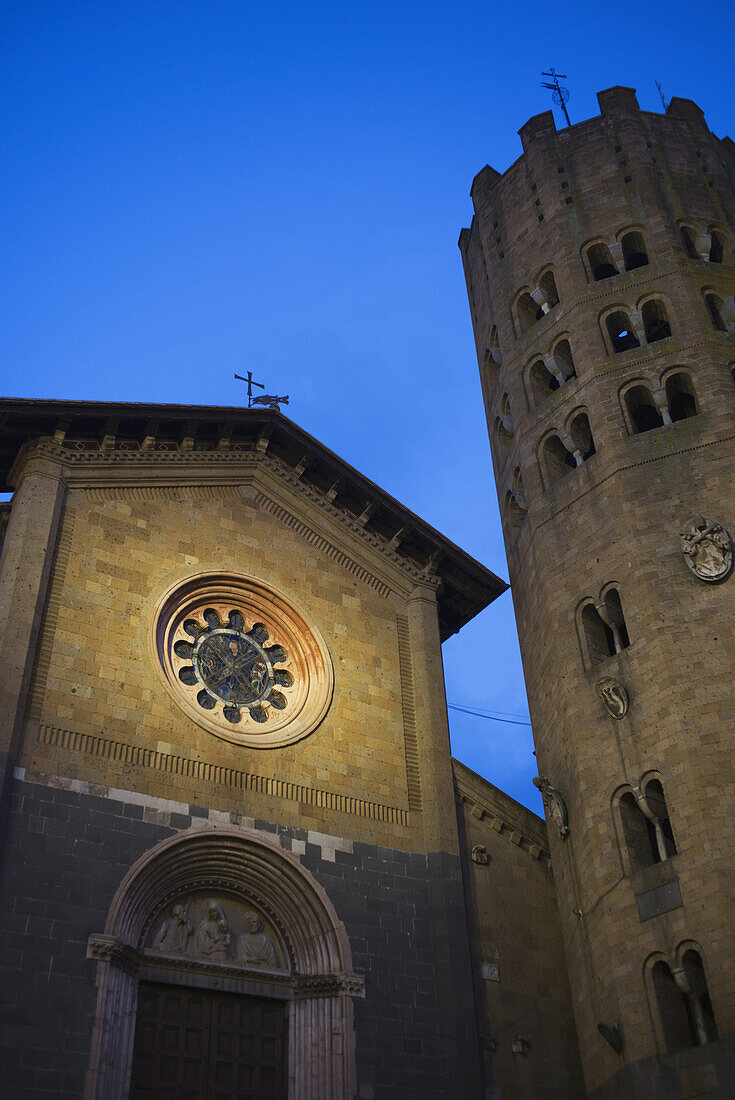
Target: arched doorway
{"type": "Point", "coordinates": [222, 924]}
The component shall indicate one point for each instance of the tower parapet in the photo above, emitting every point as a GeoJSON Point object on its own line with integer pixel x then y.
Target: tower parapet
{"type": "Point", "coordinates": [601, 276]}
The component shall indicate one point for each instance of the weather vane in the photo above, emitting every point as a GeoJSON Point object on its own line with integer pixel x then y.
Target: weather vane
{"type": "Point", "coordinates": [270, 400]}
{"type": "Point", "coordinates": [561, 94]}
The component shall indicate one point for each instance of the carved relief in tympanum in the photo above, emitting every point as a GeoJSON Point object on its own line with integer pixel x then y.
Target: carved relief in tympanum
{"type": "Point", "coordinates": [216, 930]}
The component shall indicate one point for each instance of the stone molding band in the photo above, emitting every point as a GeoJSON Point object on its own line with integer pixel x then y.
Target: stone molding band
{"type": "Point", "coordinates": [112, 950]}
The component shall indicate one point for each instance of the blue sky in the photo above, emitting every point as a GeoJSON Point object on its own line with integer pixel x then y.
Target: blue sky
{"type": "Point", "coordinates": [202, 187]}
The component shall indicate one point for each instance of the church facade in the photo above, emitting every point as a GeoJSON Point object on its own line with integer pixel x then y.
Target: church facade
{"type": "Point", "coordinates": [237, 859]}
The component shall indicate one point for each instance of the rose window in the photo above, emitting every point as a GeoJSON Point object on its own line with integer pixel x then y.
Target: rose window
{"type": "Point", "coordinates": [241, 659]}
{"type": "Point", "coordinates": [233, 666]}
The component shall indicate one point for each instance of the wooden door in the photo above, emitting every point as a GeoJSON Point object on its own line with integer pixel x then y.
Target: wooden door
{"type": "Point", "coordinates": [195, 1045]}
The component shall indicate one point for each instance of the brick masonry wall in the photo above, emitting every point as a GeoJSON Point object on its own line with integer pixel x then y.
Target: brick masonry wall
{"type": "Point", "coordinates": [616, 520]}
{"type": "Point", "coordinates": [66, 851]}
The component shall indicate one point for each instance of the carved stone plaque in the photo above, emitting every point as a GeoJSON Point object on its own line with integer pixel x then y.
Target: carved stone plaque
{"type": "Point", "coordinates": [707, 549]}
{"type": "Point", "coordinates": [479, 853]}
{"type": "Point", "coordinates": [554, 803]}
{"type": "Point", "coordinates": [614, 696]}
{"type": "Point", "coordinates": [216, 929]}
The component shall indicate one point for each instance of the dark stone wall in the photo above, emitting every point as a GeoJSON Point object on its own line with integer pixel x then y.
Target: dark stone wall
{"type": "Point", "coordinates": [699, 1071]}
{"type": "Point", "coordinates": [63, 857]}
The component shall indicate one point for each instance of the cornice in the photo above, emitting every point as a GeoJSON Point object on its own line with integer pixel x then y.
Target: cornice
{"type": "Point", "coordinates": [92, 469]}
{"type": "Point", "coordinates": [143, 450]}
{"type": "Point", "coordinates": [351, 524]}
{"type": "Point", "coordinates": [505, 816]}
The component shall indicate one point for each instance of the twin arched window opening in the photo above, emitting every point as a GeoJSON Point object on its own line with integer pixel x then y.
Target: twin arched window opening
{"type": "Point", "coordinates": [532, 305]}
{"type": "Point", "coordinates": [647, 832]}
{"type": "Point", "coordinates": [515, 501]}
{"type": "Point", "coordinates": [683, 1001]}
{"type": "Point", "coordinates": [503, 429]}
{"type": "Point", "coordinates": [710, 245]}
{"type": "Point", "coordinates": [627, 253]}
{"type": "Point", "coordinates": [603, 628]}
{"type": "Point", "coordinates": [631, 329]}
{"type": "Point", "coordinates": [563, 452]}
{"type": "Point", "coordinates": [549, 373]}
{"type": "Point", "coordinates": [652, 408]}
{"type": "Point", "coordinates": [491, 362]}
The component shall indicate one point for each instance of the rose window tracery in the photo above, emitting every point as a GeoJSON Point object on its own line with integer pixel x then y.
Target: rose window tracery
{"type": "Point", "coordinates": [233, 666]}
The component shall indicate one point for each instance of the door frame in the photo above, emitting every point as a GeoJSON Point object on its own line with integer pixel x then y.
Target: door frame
{"type": "Point", "coordinates": [319, 982]}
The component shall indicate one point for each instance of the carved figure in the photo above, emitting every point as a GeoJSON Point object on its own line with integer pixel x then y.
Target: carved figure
{"type": "Point", "coordinates": [614, 696]}
{"type": "Point", "coordinates": [173, 935]}
{"type": "Point", "coordinates": [256, 948]}
{"type": "Point", "coordinates": [707, 549]}
{"type": "Point", "coordinates": [479, 853]}
{"type": "Point", "coordinates": [213, 934]}
{"type": "Point", "coordinates": [555, 805]}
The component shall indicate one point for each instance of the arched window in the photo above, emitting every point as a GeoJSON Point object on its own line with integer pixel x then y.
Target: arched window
{"type": "Point", "coordinates": [491, 362]}
{"type": "Point", "coordinates": [542, 382]}
{"type": "Point", "coordinates": [514, 512]}
{"type": "Point", "coordinates": [557, 460]}
{"type": "Point", "coordinates": [717, 248]}
{"type": "Point", "coordinates": [597, 635]}
{"type": "Point", "coordinates": [642, 412]}
{"type": "Point", "coordinates": [622, 336]}
{"type": "Point", "coordinates": [581, 433]}
{"type": "Point", "coordinates": [527, 311]}
{"type": "Point", "coordinates": [655, 320]}
{"type": "Point", "coordinates": [715, 306]}
{"type": "Point", "coordinates": [515, 501]}
{"type": "Point", "coordinates": [680, 396]}
{"type": "Point", "coordinates": [563, 355]}
{"type": "Point", "coordinates": [547, 284]}
{"type": "Point", "coordinates": [601, 627]}
{"type": "Point", "coordinates": [705, 1027]}
{"type": "Point", "coordinates": [503, 439]}
{"type": "Point", "coordinates": [683, 1002]}
{"type": "Point", "coordinates": [610, 610]}
{"type": "Point", "coordinates": [647, 832]}
{"type": "Point", "coordinates": [601, 264]}
{"type": "Point", "coordinates": [689, 237]}
{"type": "Point", "coordinates": [634, 250]}
{"type": "Point", "coordinates": [503, 429]}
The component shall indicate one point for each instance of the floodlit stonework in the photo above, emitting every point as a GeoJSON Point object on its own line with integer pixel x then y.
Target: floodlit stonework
{"type": "Point", "coordinates": [600, 270]}
{"type": "Point", "coordinates": [237, 857]}
{"type": "Point", "coordinates": [316, 878]}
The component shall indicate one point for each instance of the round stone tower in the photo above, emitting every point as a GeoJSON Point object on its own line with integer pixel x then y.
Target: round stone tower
{"type": "Point", "coordinates": [600, 270]}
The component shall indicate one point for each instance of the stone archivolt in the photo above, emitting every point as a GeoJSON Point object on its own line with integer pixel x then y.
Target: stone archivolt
{"type": "Point", "coordinates": [202, 889]}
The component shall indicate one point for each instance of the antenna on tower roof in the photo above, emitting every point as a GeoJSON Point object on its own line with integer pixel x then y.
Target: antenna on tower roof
{"type": "Point", "coordinates": [560, 94]}
{"type": "Point", "coordinates": [661, 93]}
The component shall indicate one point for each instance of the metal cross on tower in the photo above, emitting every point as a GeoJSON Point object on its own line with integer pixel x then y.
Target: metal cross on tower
{"type": "Point", "coordinates": [560, 94]}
